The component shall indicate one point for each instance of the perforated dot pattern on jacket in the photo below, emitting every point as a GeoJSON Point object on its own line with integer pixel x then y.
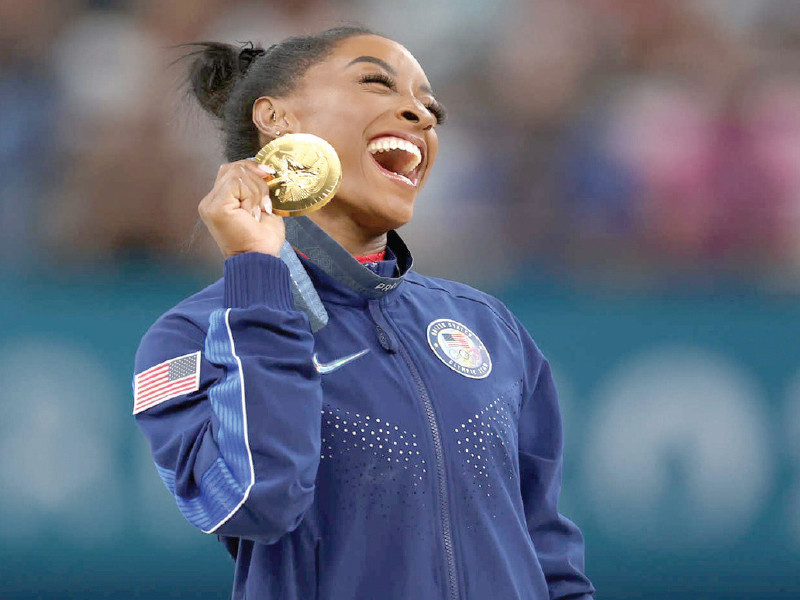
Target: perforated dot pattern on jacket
{"type": "Point", "coordinates": [487, 443]}
{"type": "Point", "coordinates": [345, 432]}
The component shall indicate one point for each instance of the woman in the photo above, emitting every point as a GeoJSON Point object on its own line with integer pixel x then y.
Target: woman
{"type": "Point", "coordinates": [411, 446]}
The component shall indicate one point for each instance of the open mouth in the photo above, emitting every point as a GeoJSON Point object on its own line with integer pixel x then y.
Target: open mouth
{"type": "Point", "coordinates": [397, 158]}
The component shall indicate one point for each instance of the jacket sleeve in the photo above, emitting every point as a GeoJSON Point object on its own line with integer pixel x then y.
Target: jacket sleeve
{"type": "Point", "coordinates": [240, 454]}
{"type": "Point", "coordinates": [558, 542]}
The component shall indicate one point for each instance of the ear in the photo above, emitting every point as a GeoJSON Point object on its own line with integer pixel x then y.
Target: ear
{"type": "Point", "coordinates": [272, 117]}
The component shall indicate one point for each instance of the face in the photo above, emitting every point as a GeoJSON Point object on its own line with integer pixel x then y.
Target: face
{"type": "Point", "coordinates": [371, 100]}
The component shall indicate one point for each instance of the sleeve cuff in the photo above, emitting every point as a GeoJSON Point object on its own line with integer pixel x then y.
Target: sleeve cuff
{"type": "Point", "coordinates": [253, 278]}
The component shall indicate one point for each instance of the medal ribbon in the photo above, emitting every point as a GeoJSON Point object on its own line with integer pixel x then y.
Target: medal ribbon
{"type": "Point", "coordinates": [310, 240]}
{"type": "Point", "coordinates": [305, 296]}
{"type": "Point", "coordinates": [331, 257]}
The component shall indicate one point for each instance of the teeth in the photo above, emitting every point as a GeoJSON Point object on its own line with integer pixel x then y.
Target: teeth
{"type": "Point", "coordinates": [387, 143]}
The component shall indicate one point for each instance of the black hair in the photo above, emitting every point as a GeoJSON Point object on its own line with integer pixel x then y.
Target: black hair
{"type": "Point", "coordinates": [227, 80]}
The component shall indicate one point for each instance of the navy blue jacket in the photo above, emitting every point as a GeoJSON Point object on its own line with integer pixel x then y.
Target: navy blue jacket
{"type": "Point", "coordinates": [411, 448]}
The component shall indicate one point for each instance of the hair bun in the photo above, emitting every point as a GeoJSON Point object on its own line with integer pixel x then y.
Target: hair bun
{"type": "Point", "coordinates": [247, 55]}
{"type": "Point", "coordinates": [227, 80]}
{"type": "Point", "coordinates": [215, 69]}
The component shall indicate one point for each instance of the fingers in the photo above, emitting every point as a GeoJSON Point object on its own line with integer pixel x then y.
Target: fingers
{"type": "Point", "coordinates": [237, 210]}
{"type": "Point", "coordinates": [266, 204]}
{"type": "Point", "coordinates": [241, 185]}
{"type": "Point", "coordinates": [259, 172]}
{"type": "Point", "coordinates": [246, 191]}
{"type": "Point", "coordinates": [263, 174]}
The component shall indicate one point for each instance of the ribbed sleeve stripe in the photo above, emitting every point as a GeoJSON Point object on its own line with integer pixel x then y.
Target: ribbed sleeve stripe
{"type": "Point", "coordinates": [226, 484]}
{"type": "Point", "coordinates": [257, 279]}
{"type": "Point", "coordinates": [220, 496]}
{"type": "Point", "coordinates": [228, 403]}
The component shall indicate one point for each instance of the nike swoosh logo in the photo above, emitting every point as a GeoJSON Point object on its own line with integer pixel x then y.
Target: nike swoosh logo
{"type": "Point", "coordinates": [323, 368]}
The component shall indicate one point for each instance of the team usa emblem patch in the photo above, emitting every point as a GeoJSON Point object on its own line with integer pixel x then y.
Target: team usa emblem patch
{"type": "Point", "coordinates": [459, 348]}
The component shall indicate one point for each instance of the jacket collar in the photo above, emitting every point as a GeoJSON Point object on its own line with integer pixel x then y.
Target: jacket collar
{"type": "Point", "coordinates": [330, 257]}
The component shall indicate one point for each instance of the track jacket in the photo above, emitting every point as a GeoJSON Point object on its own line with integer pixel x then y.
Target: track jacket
{"type": "Point", "coordinates": [410, 449]}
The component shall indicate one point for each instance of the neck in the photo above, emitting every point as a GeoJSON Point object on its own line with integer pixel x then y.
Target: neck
{"type": "Point", "coordinates": [349, 234]}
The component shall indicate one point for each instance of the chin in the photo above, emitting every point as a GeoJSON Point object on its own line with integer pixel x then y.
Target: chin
{"type": "Point", "coordinates": [377, 212]}
{"type": "Point", "coordinates": [393, 214]}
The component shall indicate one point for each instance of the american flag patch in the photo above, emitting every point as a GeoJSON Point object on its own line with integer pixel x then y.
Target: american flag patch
{"type": "Point", "coordinates": [457, 339]}
{"type": "Point", "coordinates": [166, 380]}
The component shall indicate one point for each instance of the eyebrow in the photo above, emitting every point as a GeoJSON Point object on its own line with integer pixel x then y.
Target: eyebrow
{"type": "Point", "coordinates": [382, 63]}
{"type": "Point", "coordinates": [374, 60]}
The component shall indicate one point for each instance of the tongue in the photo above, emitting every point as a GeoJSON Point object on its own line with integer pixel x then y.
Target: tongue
{"type": "Point", "coordinates": [392, 160]}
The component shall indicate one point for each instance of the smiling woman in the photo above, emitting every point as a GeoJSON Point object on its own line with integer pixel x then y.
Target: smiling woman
{"type": "Point", "coordinates": [406, 446]}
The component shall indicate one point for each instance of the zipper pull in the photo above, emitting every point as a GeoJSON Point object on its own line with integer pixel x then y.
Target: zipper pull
{"type": "Point", "coordinates": [386, 340]}
{"type": "Point", "coordinates": [385, 336]}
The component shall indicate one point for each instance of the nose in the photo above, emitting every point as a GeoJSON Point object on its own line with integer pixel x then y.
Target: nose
{"type": "Point", "coordinates": [414, 112]}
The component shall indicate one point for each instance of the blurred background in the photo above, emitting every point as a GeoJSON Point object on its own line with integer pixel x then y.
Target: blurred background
{"type": "Point", "coordinates": [624, 174]}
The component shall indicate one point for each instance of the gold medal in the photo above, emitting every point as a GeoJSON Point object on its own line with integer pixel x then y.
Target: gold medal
{"type": "Point", "coordinates": [307, 173]}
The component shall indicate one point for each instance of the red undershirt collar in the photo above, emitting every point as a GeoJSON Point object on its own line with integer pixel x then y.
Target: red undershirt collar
{"type": "Point", "coordinates": [367, 258]}
{"type": "Point", "coordinates": [371, 258]}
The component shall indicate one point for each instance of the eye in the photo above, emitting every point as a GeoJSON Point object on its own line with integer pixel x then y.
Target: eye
{"type": "Point", "coordinates": [438, 111]}
{"type": "Point", "coordinates": [381, 78]}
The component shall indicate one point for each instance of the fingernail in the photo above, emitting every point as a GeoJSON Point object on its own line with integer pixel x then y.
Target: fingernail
{"type": "Point", "coordinates": [267, 169]}
{"type": "Point", "coordinates": [267, 204]}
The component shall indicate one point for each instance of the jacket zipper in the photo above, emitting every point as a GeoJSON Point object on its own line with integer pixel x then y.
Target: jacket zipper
{"type": "Point", "coordinates": [422, 391]}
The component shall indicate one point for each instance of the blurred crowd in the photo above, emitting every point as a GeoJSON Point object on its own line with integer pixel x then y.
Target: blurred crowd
{"type": "Point", "coordinates": [621, 142]}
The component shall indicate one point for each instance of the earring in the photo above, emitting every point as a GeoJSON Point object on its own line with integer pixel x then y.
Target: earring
{"type": "Point", "coordinates": [274, 118]}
